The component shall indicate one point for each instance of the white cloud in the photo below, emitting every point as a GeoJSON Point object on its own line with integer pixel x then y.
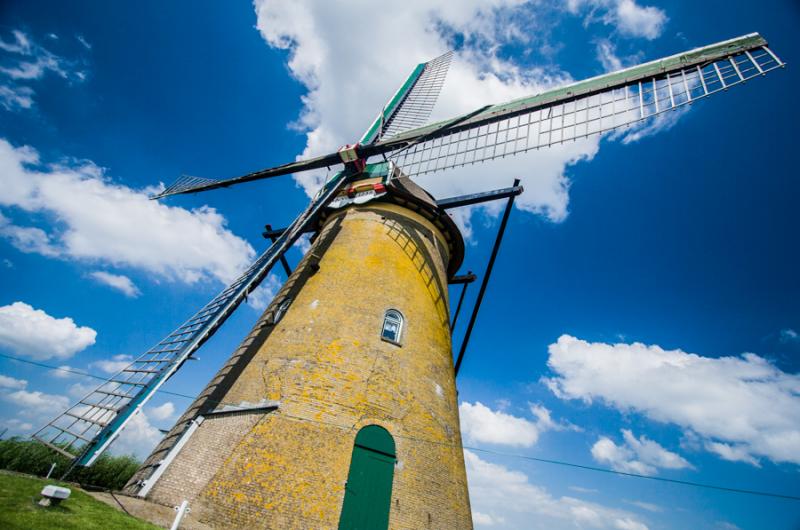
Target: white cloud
{"type": "Point", "coordinates": [636, 455]}
{"type": "Point", "coordinates": [344, 95]}
{"type": "Point", "coordinates": [654, 125]}
{"type": "Point", "coordinates": [480, 424]}
{"type": "Point", "coordinates": [741, 407]}
{"type": "Point", "coordinates": [80, 390]}
{"type": "Point", "coordinates": [580, 489]}
{"type": "Point", "coordinates": [650, 507]}
{"type": "Point", "coordinates": [628, 17]}
{"type": "Point", "coordinates": [113, 365]}
{"type": "Point", "coordinates": [64, 372]}
{"type": "Point", "coordinates": [18, 426]}
{"type": "Point", "coordinates": [119, 282]}
{"type": "Point", "coordinates": [21, 45]}
{"type": "Point", "coordinates": [732, 452]}
{"type": "Point", "coordinates": [607, 55]}
{"type": "Point", "coordinates": [637, 21]}
{"type": "Point", "coordinates": [32, 61]}
{"type": "Point", "coordinates": [138, 438]}
{"type": "Point", "coordinates": [481, 519]}
{"type": "Point", "coordinates": [162, 412]}
{"type": "Point", "coordinates": [36, 406]}
{"type": "Point", "coordinates": [26, 238]}
{"type": "Point", "coordinates": [260, 298]}
{"type": "Point", "coordinates": [505, 497]}
{"type": "Point", "coordinates": [12, 383]}
{"type": "Point", "coordinates": [83, 42]}
{"type": "Point", "coordinates": [789, 335]}
{"type": "Point", "coordinates": [26, 61]}
{"type": "Point", "coordinates": [16, 97]}
{"type": "Point", "coordinates": [98, 220]}
{"type": "Point", "coordinates": [303, 243]}
{"type": "Point", "coordinates": [34, 334]}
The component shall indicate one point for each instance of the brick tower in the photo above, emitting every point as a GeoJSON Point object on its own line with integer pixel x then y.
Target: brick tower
{"type": "Point", "coordinates": [339, 409]}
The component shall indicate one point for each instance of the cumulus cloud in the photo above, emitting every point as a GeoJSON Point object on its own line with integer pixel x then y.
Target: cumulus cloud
{"type": "Point", "coordinates": [260, 298]}
{"type": "Point", "coordinates": [34, 334]}
{"type": "Point", "coordinates": [505, 496]}
{"type": "Point", "coordinates": [35, 406]}
{"type": "Point", "coordinates": [113, 365]}
{"type": "Point", "coordinates": [80, 390]}
{"type": "Point", "coordinates": [741, 408]}
{"type": "Point", "coordinates": [138, 438]}
{"type": "Point", "coordinates": [12, 383]}
{"type": "Point", "coordinates": [96, 220]}
{"type": "Point", "coordinates": [163, 411]}
{"type": "Point", "coordinates": [119, 282]}
{"type": "Point", "coordinates": [629, 18]}
{"type": "Point", "coordinates": [344, 95]}
{"type": "Point", "coordinates": [480, 424]}
{"type": "Point", "coordinates": [636, 455]}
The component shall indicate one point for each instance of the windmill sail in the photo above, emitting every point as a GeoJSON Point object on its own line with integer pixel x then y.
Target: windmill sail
{"type": "Point", "coordinates": [593, 106]}
{"type": "Point", "coordinates": [410, 107]}
{"type": "Point", "coordinates": [588, 107]}
{"type": "Point", "coordinates": [412, 104]}
{"type": "Point", "coordinates": [88, 427]}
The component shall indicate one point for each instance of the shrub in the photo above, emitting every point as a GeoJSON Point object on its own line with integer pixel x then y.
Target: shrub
{"type": "Point", "coordinates": [29, 456]}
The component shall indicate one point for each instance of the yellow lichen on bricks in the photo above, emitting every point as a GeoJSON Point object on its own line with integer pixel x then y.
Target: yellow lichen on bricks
{"type": "Point", "coordinates": [325, 361]}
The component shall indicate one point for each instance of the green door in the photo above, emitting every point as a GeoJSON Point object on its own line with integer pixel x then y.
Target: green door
{"type": "Point", "coordinates": [368, 493]}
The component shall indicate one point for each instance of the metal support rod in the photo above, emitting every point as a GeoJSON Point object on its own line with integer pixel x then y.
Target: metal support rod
{"type": "Point", "coordinates": [181, 510]}
{"type": "Point", "coordinates": [476, 198]}
{"type": "Point", "coordinates": [469, 277]}
{"type": "Point", "coordinates": [485, 280]}
{"type": "Point", "coordinates": [461, 299]}
{"type": "Point", "coordinates": [272, 236]}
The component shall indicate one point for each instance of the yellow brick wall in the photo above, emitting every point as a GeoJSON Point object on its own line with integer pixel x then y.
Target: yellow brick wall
{"type": "Point", "coordinates": [326, 364]}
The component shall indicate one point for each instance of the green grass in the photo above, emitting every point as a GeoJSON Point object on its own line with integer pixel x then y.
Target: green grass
{"type": "Point", "coordinates": [18, 508]}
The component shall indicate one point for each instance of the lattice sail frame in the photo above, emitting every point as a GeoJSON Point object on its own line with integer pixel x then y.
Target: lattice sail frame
{"type": "Point", "coordinates": [88, 427]}
{"type": "Point", "coordinates": [571, 118]}
{"type": "Point", "coordinates": [412, 104]}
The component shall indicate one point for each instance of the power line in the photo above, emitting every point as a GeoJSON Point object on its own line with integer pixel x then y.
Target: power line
{"type": "Point", "coordinates": [476, 449]}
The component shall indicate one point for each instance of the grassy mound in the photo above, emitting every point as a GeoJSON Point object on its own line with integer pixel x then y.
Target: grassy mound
{"type": "Point", "coordinates": [18, 509]}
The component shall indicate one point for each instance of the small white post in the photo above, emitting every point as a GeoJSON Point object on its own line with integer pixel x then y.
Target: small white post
{"type": "Point", "coordinates": [51, 470]}
{"type": "Point", "coordinates": [182, 510]}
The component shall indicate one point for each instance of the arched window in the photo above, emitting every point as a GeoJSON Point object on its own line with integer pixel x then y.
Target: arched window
{"type": "Point", "coordinates": [368, 492]}
{"type": "Point", "coordinates": [392, 326]}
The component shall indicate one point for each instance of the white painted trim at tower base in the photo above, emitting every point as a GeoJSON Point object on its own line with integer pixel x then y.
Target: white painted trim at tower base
{"type": "Point", "coordinates": [148, 484]}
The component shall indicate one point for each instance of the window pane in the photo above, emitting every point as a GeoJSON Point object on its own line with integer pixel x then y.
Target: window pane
{"type": "Point", "coordinates": [391, 330]}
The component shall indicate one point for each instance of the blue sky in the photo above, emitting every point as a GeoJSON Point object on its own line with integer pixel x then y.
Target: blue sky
{"type": "Point", "coordinates": [635, 273]}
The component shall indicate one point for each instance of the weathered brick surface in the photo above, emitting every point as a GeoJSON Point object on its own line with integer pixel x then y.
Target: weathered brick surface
{"type": "Point", "coordinates": [326, 364]}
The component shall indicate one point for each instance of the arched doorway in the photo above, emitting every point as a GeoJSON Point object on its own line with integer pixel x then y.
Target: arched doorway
{"type": "Point", "coordinates": [368, 493]}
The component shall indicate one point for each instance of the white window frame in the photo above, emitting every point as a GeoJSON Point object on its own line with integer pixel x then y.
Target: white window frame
{"type": "Point", "coordinates": [395, 316]}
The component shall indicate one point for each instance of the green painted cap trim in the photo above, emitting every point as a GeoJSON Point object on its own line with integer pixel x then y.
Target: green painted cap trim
{"type": "Point", "coordinates": [393, 105]}
{"type": "Point", "coordinates": [697, 56]}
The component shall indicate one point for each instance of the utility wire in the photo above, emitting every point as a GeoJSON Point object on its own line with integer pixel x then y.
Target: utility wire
{"type": "Point", "coordinates": [476, 449]}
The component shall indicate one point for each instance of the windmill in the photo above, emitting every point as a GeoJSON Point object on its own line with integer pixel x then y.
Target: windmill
{"type": "Point", "coordinates": [340, 406]}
